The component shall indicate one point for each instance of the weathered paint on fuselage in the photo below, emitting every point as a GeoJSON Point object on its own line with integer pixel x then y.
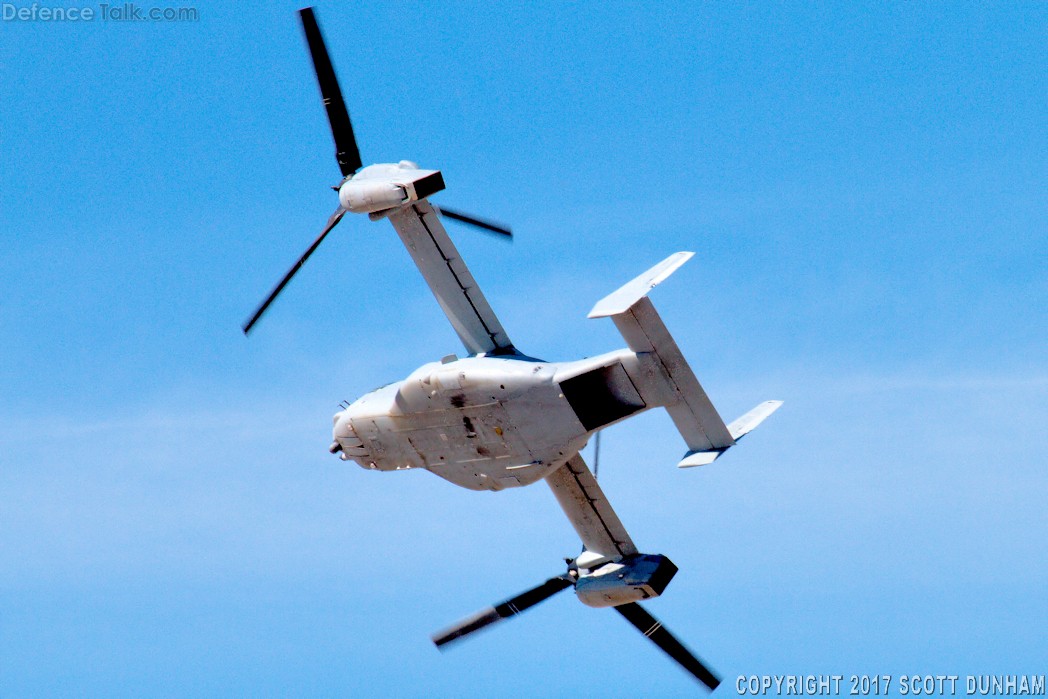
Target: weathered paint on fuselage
{"type": "Point", "coordinates": [484, 423]}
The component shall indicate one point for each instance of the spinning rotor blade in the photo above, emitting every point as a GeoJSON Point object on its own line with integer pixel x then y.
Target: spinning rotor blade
{"type": "Point", "coordinates": [345, 143]}
{"type": "Point", "coordinates": [478, 222]}
{"type": "Point", "coordinates": [332, 222]}
{"type": "Point", "coordinates": [511, 607]}
{"type": "Point", "coordinates": [660, 636]}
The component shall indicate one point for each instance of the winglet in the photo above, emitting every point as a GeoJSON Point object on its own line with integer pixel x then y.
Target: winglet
{"type": "Point", "coordinates": [626, 296]}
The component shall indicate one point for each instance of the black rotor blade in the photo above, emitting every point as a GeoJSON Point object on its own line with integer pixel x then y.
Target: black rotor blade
{"type": "Point", "coordinates": [660, 636]}
{"type": "Point", "coordinates": [345, 143]}
{"type": "Point", "coordinates": [478, 222]}
{"type": "Point", "coordinates": [505, 610]}
{"type": "Point", "coordinates": [332, 222]}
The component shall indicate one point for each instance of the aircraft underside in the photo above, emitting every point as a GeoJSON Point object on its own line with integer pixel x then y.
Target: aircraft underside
{"type": "Point", "coordinates": [498, 419]}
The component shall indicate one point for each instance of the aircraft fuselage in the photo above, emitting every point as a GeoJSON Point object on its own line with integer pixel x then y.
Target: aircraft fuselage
{"type": "Point", "coordinates": [489, 422]}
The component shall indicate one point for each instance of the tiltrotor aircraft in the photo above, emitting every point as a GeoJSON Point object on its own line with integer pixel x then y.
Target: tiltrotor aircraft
{"type": "Point", "coordinates": [501, 419]}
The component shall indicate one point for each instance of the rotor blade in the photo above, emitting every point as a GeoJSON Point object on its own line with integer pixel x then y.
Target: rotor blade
{"type": "Point", "coordinates": [478, 222]}
{"type": "Point", "coordinates": [511, 607]}
{"type": "Point", "coordinates": [345, 143]}
{"type": "Point", "coordinates": [660, 636]}
{"type": "Point", "coordinates": [332, 222]}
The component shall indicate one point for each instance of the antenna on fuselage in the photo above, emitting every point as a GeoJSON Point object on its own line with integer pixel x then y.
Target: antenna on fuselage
{"type": "Point", "coordinates": [596, 454]}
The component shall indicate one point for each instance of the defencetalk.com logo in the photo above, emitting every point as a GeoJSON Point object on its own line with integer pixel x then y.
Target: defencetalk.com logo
{"type": "Point", "coordinates": [105, 12]}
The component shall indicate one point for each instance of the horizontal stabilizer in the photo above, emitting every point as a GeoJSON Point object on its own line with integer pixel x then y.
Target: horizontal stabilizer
{"type": "Point", "coordinates": [738, 428]}
{"type": "Point", "coordinates": [636, 318]}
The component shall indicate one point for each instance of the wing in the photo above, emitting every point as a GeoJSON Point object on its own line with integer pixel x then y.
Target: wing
{"type": "Point", "coordinates": [449, 279]}
{"type": "Point", "coordinates": [588, 509]}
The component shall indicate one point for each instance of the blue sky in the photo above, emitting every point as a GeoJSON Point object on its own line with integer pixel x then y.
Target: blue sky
{"type": "Point", "coordinates": [864, 188]}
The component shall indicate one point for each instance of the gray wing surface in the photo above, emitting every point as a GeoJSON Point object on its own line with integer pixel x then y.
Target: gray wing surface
{"type": "Point", "coordinates": [588, 510]}
{"type": "Point", "coordinates": [449, 279]}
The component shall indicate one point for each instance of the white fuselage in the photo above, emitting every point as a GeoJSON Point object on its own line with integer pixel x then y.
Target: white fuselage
{"type": "Point", "coordinates": [488, 423]}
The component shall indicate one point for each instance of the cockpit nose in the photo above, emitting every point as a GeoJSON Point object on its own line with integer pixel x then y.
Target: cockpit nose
{"type": "Point", "coordinates": [346, 439]}
{"type": "Point", "coordinates": [342, 426]}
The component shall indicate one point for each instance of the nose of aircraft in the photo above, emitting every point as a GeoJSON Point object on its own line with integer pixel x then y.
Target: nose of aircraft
{"type": "Point", "coordinates": [345, 438]}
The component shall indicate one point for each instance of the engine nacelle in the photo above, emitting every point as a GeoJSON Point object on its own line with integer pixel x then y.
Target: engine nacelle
{"type": "Point", "coordinates": [366, 196]}
{"type": "Point", "coordinates": [387, 186]}
{"type": "Point", "coordinates": [630, 580]}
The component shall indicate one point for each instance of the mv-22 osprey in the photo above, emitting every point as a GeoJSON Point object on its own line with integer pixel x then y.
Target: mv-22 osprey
{"type": "Point", "coordinates": [501, 419]}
